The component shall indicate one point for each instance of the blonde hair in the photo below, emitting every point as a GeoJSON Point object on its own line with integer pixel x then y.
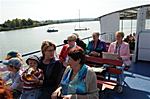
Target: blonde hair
{"type": "Point", "coordinates": [120, 33]}
{"type": "Point", "coordinates": [72, 37]}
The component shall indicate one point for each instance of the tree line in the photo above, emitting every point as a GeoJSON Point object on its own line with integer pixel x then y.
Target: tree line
{"type": "Point", "coordinates": [29, 23]}
{"type": "Point", "coordinates": [18, 24]}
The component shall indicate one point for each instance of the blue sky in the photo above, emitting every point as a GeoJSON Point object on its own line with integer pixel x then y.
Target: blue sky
{"type": "Point", "coordinates": [61, 9]}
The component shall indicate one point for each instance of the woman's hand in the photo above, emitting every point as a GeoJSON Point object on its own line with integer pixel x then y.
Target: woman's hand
{"type": "Point", "coordinates": [93, 53]}
{"type": "Point", "coordinates": [67, 97]}
{"type": "Point", "coordinates": [56, 93]}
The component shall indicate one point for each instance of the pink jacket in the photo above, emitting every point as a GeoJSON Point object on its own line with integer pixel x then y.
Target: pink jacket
{"type": "Point", "coordinates": [124, 52]}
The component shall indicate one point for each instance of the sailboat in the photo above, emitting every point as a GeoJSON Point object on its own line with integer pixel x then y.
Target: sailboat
{"type": "Point", "coordinates": [80, 28]}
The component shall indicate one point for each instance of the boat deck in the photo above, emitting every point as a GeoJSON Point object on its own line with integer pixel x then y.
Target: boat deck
{"type": "Point", "coordinates": [136, 83]}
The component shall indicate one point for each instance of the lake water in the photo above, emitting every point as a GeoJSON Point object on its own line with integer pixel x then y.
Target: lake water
{"type": "Point", "coordinates": [29, 40]}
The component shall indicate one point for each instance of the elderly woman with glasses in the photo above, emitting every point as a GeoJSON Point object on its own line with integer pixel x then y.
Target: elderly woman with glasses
{"type": "Point", "coordinates": [52, 69]}
{"type": "Point", "coordinates": [63, 56]}
{"type": "Point", "coordinates": [78, 81]}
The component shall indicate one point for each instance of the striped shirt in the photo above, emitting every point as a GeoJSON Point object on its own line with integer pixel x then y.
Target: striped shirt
{"type": "Point", "coordinates": [31, 84]}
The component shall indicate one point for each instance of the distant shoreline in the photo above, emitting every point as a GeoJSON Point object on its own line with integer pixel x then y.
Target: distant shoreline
{"type": "Point", "coordinates": [11, 25]}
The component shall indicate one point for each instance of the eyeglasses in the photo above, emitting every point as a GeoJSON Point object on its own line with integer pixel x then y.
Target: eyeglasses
{"type": "Point", "coordinates": [52, 50]}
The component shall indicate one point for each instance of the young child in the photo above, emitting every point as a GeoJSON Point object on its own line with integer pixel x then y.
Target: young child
{"type": "Point", "coordinates": [32, 79]}
{"type": "Point", "coordinates": [11, 54]}
{"type": "Point", "coordinates": [13, 66]}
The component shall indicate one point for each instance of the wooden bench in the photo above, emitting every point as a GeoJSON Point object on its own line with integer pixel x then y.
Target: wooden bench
{"type": "Point", "coordinates": [101, 82]}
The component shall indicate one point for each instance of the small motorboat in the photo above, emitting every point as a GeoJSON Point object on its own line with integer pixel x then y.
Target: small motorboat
{"type": "Point", "coordinates": [52, 30]}
{"type": "Point", "coordinates": [81, 29]}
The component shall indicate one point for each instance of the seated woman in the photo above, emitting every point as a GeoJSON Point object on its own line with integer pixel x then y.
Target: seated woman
{"type": "Point", "coordinates": [63, 56]}
{"type": "Point", "coordinates": [121, 48]}
{"type": "Point", "coordinates": [96, 46]}
{"type": "Point", "coordinates": [78, 41]}
{"type": "Point", "coordinates": [78, 81]}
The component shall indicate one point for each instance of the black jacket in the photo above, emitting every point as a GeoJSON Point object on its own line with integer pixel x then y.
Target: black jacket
{"type": "Point", "coordinates": [52, 76]}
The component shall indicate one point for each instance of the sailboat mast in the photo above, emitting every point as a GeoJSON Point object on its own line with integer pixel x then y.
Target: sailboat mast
{"type": "Point", "coordinates": [80, 28]}
{"type": "Point", "coordinates": [79, 18]}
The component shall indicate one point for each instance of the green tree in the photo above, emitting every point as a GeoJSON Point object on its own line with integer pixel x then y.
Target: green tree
{"type": "Point", "coordinates": [30, 22]}
{"type": "Point", "coordinates": [13, 24]}
{"type": "Point", "coordinates": [18, 21]}
{"type": "Point", "coordinates": [24, 22]}
{"type": "Point", "coordinates": [7, 23]}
